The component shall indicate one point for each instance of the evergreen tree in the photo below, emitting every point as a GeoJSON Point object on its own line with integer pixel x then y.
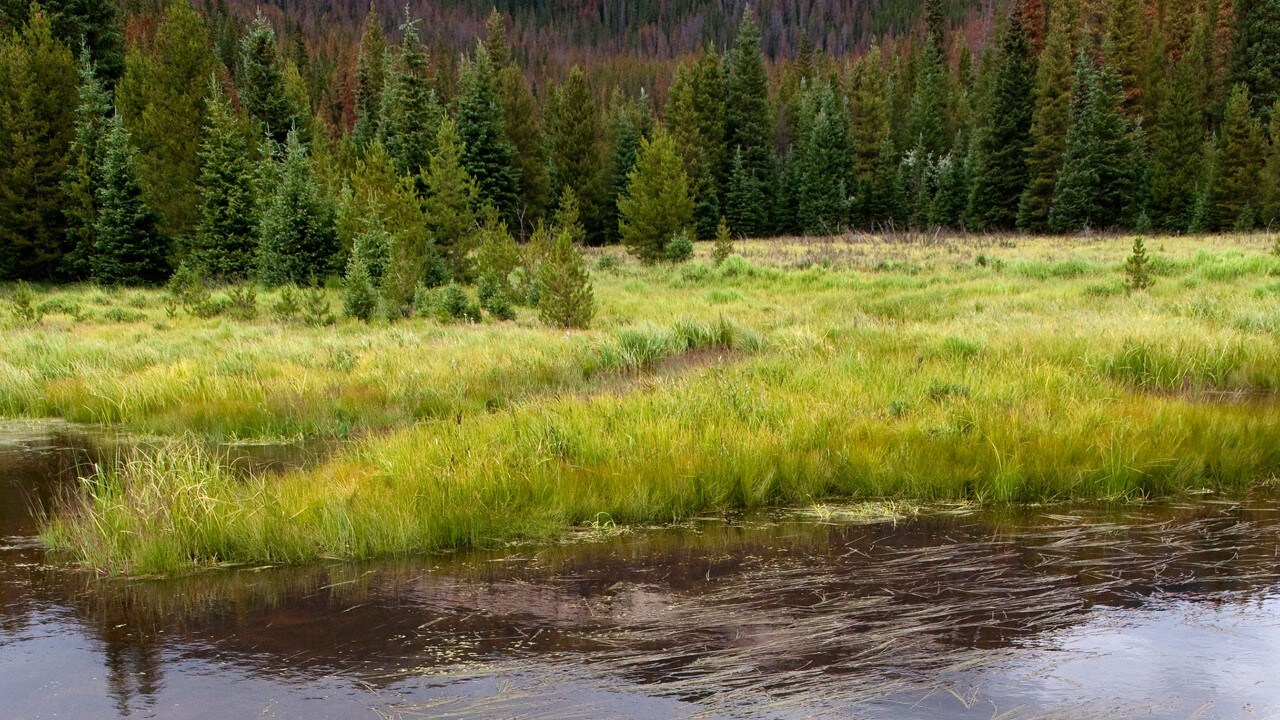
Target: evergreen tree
{"type": "Point", "coordinates": [93, 25]}
{"type": "Point", "coordinates": [749, 122]}
{"type": "Point", "coordinates": [868, 89]}
{"type": "Point", "coordinates": [451, 195]}
{"type": "Point", "coordinates": [487, 154]}
{"type": "Point", "coordinates": [1002, 174]}
{"type": "Point", "coordinates": [411, 113]}
{"type": "Point", "coordinates": [1235, 189]}
{"type": "Point", "coordinates": [630, 122]}
{"type": "Point", "coordinates": [1048, 126]}
{"type": "Point", "coordinates": [952, 196]}
{"type": "Point", "coordinates": [695, 116]}
{"type": "Point", "coordinates": [825, 167]}
{"type": "Point", "coordinates": [885, 202]}
{"type": "Point", "coordinates": [298, 240]}
{"type": "Point", "coordinates": [524, 130]}
{"type": "Point", "coordinates": [566, 298]}
{"type": "Point", "coordinates": [744, 202]}
{"type": "Point", "coordinates": [1097, 185]}
{"type": "Point", "coordinates": [657, 204]}
{"type": "Point", "coordinates": [84, 172]}
{"type": "Point", "coordinates": [37, 126]}
{"type": "Point", "coordinates": [1125, 21]}
{"type": "Point", "coordinates": [1176, 162]}
{"type": "Point", "coordinates": [359, 295]}
{"type": "Point", "coordinates": [162, 97]}
{"type": "Point", "coordinates": [573, 139]}
{"type": "Point", "coordinates": [1269, 200]}
{"type": "Point", "coordinates": [129, 249]}
{"type": "Point", "coordinates": [929, 102]}
{"type": "Point", "coordinates": [371, 79]}
{"type": "Point", "coordinates": [225, 241]}
{"type": "Point", "coordinates": [1256, 59]}
{"type": "Point", "coordinates": [261, 81]}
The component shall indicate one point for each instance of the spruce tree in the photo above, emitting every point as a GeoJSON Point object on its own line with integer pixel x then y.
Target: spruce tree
{"type": "Point", "coordinates": [225, 242]}
{"type": "Point", "coordinates": [487, 153]}
{"type": "Point", "coordinates": [359, 294]}
{"type": "Point", "coordinates": [450, 199]}
{"type": "Point", "coordinates": [411, 113]}
{"type": "Point", "coordinates": [371, 79]}
{"type": "Point", "coordinates": [744, 201]}
{"type": "Point", "coordinates": [566, 297]}
{"type": "Point", "coordinates": [573, 139]}
{"type": "Point", "coordinates": [695, 116]}
{"type": "Point", "coordinates": [868, 89]}
{"type": "Point", "coordinates": [1097, 187]}
{"type": "Point", "coordinates": [129, 249]}
{"type": "Point", "coordinates": [298, 239]}
{"type": "Point", "coordinates": [162, 97]}
{"type": "Point", "coordinates": [92, 25]}
{"type": "Point", "coordinates": [1256, 57]}
{"type": "Point", "coordinates": [749, 121]}
{"type": "Point", "coordinates": [657, 204]}
{"type": "Point", "coordinates": [929, 102]}
{"type": "Point", "coordinates": [884, 204]}
{"type": "Point", "coordinates": [38, 84]}
{"type": "Point", "coordinates": [630, 122]}
{"type": "Point", "coordinates": [1048, 126]}
{"type": "Point", "coordinates": [524, 130]}
{"type": "Point", "coordinates": [952, 195]}
{"type": "Point", "coordinates": [1269, 200]}
{"type": "Point", "coordinates": [1176, 161]}
{"type": "Point", "coordinates": [1235, 189]}
{"type": "Point", "coordinates": [825, 167]}
{"type": "Point", "coordinates": [84, 172]}
{"type": "Point", "coordinates": [261, 82]}
{"type": "Point", "coordinates": [1002, 174]}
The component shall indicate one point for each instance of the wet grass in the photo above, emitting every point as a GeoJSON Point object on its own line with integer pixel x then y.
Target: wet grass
{"type": "Point", "coordinates": [873, 369]}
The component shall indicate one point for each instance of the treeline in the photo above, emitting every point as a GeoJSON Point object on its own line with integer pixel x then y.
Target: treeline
{"type": "Point", "coordinates": [185, 140]}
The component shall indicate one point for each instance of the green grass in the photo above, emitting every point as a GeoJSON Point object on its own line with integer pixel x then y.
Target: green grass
{"type": "Point", "coordinates": [1007, 380]}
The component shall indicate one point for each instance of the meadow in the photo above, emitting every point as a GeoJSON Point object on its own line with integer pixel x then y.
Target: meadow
{"type": "Point", "coordinates": [799, 370]}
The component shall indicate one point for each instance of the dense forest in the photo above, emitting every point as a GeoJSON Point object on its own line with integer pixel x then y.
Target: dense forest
{"type": "Point", "coordinates": [290, 147]}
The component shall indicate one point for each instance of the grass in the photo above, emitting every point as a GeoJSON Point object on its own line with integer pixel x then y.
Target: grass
{"type": "Point", "coordinates": [862, 369]}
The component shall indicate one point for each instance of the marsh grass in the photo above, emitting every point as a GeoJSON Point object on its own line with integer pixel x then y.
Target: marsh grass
{"type": "Point", "coordinates": [942, 379]}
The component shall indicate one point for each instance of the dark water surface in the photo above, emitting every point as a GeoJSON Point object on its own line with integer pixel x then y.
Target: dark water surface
{"type": "Point", "coordinates": [1168, 611]}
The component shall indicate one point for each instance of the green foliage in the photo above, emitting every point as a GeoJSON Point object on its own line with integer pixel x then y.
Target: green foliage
{"type": "Point", "coordinates": [566, 297]}
{"type": "Point", "coordinates": [744, 206]}
{"type": "Point", "coordinates": [680, 248]}
{"type": "Point", "coordinates": [749, 122]}
{"type": "Point", "coordinates": [288, 306]}
{"type": "Point", "coordinates": [1176, 160]}
{"type": "Point", "coordinates": [456, 304]}
{"type": "Point", "coordinates": [1255, 60]}
{"type": "Point", "coordinates": [1049, 125]}
{"type": "Point", "coordinates": [497, 255]}
{"type": "Point", "coordinates": [315, 306]}
{"type": "Point", "coordinates": [37, 126]}
{"type": "Point", "coordinates": [359, 297]}
{"type": "Point", "coordinates": [495, 298]}
{"type": "Point", "coordinates": [574, 131]}
{"type": "Point", "coordinates": [226, 239]}
{"type": "Point", "coordinates": [824, 165]}
{"type": "Point", "coordinates": [658, 204]}
{"type": "Point", "coordinates": [1137, 268]}
{"type": "Point", "coordinates": [724, 243]}
{"type": "Point", "coordinates": [242, 303]}
{"type": "Point", "coordinates": [84, 172]}
{"type": "Point", "coordinates": [695, 116]}
{"type": "Point", "coordinates": [129, 249]}
{"type": "Point", "coordinates": [487, 154]}
{"type": "Point", "coordinates": [262, 83]}
{"type": "Point", "coordinates": [1001, 174]}
{"type": "Point", "coordinates": [524, 130]}
{"type": "Point", "coordinates": [411, 112]}
{"type": "Point", "coordinates": [298, 236]}
{"type": "Point", "coordinates": [22, 305]}
{"type": "Point", "coordinates": [1237, 173]}
{"type": "Point", "coordinates": [451, 195]}
{"type": "Point", "coordinates": [371, 82]}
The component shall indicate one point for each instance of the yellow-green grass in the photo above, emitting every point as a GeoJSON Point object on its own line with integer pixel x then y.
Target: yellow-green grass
{"type": "Point", "coordinates": [884, 370]}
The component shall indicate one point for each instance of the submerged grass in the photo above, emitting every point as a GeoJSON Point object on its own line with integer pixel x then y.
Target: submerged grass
{"type": "Point", "coordinates": [955, 380]}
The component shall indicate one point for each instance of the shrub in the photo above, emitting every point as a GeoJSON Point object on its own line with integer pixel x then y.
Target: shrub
{"type": "Point", "coordinates": [455, 304]}
{"type": "Point", "coordinates": [23, 306]}
{"type": "Point", "coordinates": [1135, 268]}
{"type": "Point", "coordinates": [681, 247]}
{"type": "Point", "coordinates": [566, 298]}
{"type": "Point", "coordinates": [242, 303]}
{"type": "Point", "coordinates": [287, 308]}
{"type": "Point", "coordinates": [315, 307]}
{"type": "Point", "coordinates": [359, 298]}
{"type": "Point", "coordinates": [495, 299]}
{"type": "Point", "coordinates": [724, 243]}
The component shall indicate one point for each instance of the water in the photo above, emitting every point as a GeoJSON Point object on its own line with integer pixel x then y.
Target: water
{"type": "Point", "coordinates": [1169, 611]}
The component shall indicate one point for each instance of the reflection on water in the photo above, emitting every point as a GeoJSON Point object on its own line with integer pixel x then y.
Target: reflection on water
{"type": "Point", "coordinates": [1170, 611]}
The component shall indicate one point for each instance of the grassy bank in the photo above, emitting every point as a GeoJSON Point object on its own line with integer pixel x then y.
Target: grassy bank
{"type": "Point", "coordinates": [989, 372]}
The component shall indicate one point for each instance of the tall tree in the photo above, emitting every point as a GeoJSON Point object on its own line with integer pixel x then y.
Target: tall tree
{"type": "Point", "coordinates": [37, 125]}
{"type": "Point", "coordinates": [1256, 60]}
{"type": "Point", "coordinates": [1269, 200]}
{"type": "Point", "coordinates": [744, 206]}
{"type": "Point", "coordinates": [84, 172]}
{"type": "Point", "coordinates": [657, 204]}
{"type": "Point", "coordinates": [868, 107]}
{"type": "Point", "coordinates": [1241, 145]}
{"type": "Point", "coordinates": [749, 121]}
{"type": "Point", "coordinates": [371, 79]}
{"type": "Point", "coordinates": [1048, 126]}
{"type": "Point", "coordinates": [524, 130]}
{"type": "Point", "coordinates": [162, 98]}
{"type": "Point", "coordinates": [93, 25]}
{"type": "Point", "coordinates": [411, 112]}
{"type": "Point", "coordinates": [487, 153]}
{"type": "Point", "coordinates": [1002, 172]}
{"type": "Point", "coordinates": [129, 248]}
{"type": "Point", "coordinates": [262, 83]}
{"type": "Point", "coordinates": [451, 195]}
{"type": "Point", "coordinates": [825, 171]}
{"type": "Point", "coordinates": [225, 241]}
{"type": "Point", "coordinates": [1176, 162]}
{"type": "Point", "coordinates": [297, 238]}
{"type": "Point", "coordinates": [576, 156]}
{"type": "Point", "coordinates": [929, 101]}
{"type": "Point", "coordinates": [695, 116]}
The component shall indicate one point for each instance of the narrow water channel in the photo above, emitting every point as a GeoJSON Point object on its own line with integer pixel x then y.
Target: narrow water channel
{"type": "Point", "coordinates": [1154, 611]}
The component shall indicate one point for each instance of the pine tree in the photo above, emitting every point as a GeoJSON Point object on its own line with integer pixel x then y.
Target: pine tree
{"type": "Point", "coordinates": [868, 89]}
{"type": "Point", "coordinates": [1176, 162]}
{"type": "Point", "coordinates": [298, 240]}
{"type": "Point", "coordinates": [1048, 126]}
{"type": "Point", "coordinates": [826, 169]}
{"type": "Point", "coordinates": [524, 130]}
{"type": "Point", "coordinates": [371, 76]}
{"type": "Point", "coordinates": [744, 202]}
{"type": "Point", "coordinates": [1269, 200]}
{"type": "Point", "coordinates": [1256, 58]}
{"type": "Point", "coordinates": [695, 116]}
{"type": "Point", "coordinates": [162, 97]}
{"type": "Point", "coordinates": [749, 121]}
{"type": "Point", "coordinates": [261, 81]}
{"type": "Point", "coordinates": [1125, 22]}
{"type": "Point", "coordinates": [225, 242]}
{"type": "Point", "coordinates": [929, 101]}
{"type": "Point", "coordinates": [94, 25]}
{"type": "Point", "coordinates": [487, 154]}
{"type": "Point", "coordinates": [1002, 174]}
{"type": "Point", "coordinates": [724, 243]}
{"type": "Point", "coordinates": [411, 113]}
{"type": "Point", "coordinates": [1097, 185]}
{"type": "Point", "coordinates": [84, 172]}
{"type": "Point", "coordinates": [359, 294]}
{"type": "Point", "coordinates": [37, 126]}
{"type": "Point", "coordinates": [576, 161]}
{"type": "Point", "coordinates": [129, 249]}
{"type": "Point", "coordinates": [884, 205]}
{"type": "Point", "coordinates": [630, 122]}
{"type": "Point", "coordinates": [1235, 189]}
{"type": "Point", "coordinates": [566, 298]}
{"type": "Point", "coordinates": [952, 196]}
{"type": "Point", "coordinates": [657, 204]}
{"type": "Point", "coordinates": [450, 198]}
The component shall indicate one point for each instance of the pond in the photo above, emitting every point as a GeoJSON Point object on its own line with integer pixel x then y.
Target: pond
{"type": "Point", "coordinates": [1161, 611]}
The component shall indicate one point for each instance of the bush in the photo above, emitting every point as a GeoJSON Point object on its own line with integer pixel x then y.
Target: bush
{"type": "Point", "coordinates": [495, 298]}
{"type": "Point", "coordinates": [359, 298]}
{"type": "Point", "coordinates": [1135, 268]}
{"type": "Point", "coordinates": [681, 247]}
{"type": "Point", "coordinates": [455, 304]}
{"type": "Point", "coordinates": [242, 303]}
{"type": "Point", "coordinates": [566, 298]}
{"type": "Point", "coordinates": [315, 307]}
{"type": "Point", "coordinates": [22, 305]}
{"type": "Point", "coordinates": [287, 308]}
{"type": "Point", "coordinates": [724, 243]}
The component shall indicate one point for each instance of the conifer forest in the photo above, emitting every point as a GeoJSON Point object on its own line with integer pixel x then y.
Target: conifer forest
{"type": "Point", "coordinates": [779, 359]}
